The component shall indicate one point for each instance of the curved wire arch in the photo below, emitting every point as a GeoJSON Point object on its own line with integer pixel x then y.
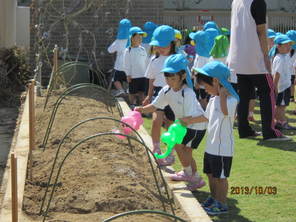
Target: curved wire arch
{"type": "Point", "coordinates": [144, 212]}
{"type": "Point", "coordinates": [94, 136]}
{"type": "Point", "coordinates": [66, 135]}
{"type": "Point", "coordinates": [60, 99]}
{"type": "Point", "coordinates": [63, 68]}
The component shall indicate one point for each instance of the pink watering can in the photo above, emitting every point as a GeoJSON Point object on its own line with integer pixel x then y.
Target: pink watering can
{"type": "Point", "coordinates": [133, 119]}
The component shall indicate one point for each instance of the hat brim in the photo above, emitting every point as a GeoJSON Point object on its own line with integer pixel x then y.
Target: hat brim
{"type": "Point", "coordinates": [199, 70]}
{"type": "Point", "coordinates": [169, 70]}
{"type": "Point", "coordinates": [191, 35]}
{"type": "Point", "coordinates": [159, 44]}
{"type": "Point", "coordinates": [287, 41]}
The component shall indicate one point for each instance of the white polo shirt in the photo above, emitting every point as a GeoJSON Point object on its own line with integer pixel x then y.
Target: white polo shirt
{"type": "Point", "coordinates": [135, 62]}
{"type": "Point", "coordinates": [294, 63]}
{"type": "Point", "coordinates": [200, 61]}
{"type": "Point", "coordinates": [183, 103]}
{"type": "Point", "coordinates": [153, 71]}
{"type": "Point", "coordinates": [118, 46]}
{"type": "Point", "coordinates": [283, 64]}
{"type": "Point", "coordinates": [220, 140]}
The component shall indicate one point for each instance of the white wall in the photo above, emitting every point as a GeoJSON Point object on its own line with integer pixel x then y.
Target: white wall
{"type": "Point", "coordinates": [23, 26]}
{"type": "Point", "coordinates": [7, 23]}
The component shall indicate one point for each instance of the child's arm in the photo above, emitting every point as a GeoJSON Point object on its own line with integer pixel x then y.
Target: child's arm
{"type": "Point", "coordinates": [276, 82]}
{"type": "Point", "coordinates": [113, 47]}
{"type": "Point", "coordinates": [191, 120]}
{"type": "Point", "coordinates": [127, 65]}
{"type": "Point", "coordinates": [223, 93]}
{"type": "Point", "coordinates": [146, 109]}
{"type": "Point", "coordinates": [150, 92]}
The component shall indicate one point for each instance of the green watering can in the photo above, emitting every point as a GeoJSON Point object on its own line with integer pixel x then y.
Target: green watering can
{"type": "Point", "coordinates": [173, 136]}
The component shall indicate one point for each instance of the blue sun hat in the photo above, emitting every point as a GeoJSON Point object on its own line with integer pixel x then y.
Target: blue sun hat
{"type": "Point", "coordinates": [271, 33]}
{"type": "Point", "coordinates": [123, 29]}
{"type": "Point", "coordinates": [210, 24]}
{"type": "Point", "coordinates": [218, 70]}
{"type": "Point", "coordinates": [135, 30]}
{"type": "Point", "coordinates": [213, 33]}
{"type": "Point", "coordinates": [149, 28]}
{"type": "Point", "coordinates": [292, 35]}
{"type": "Point", "coordinates": [202, 43]}
{"type": "Point", "coordinates": [175, 63]}
{"type": "Point", "coordinates": [163, 36]}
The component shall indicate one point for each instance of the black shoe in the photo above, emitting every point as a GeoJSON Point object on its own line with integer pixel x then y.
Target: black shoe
{"type": "Point", "coordinates": [253, 135]}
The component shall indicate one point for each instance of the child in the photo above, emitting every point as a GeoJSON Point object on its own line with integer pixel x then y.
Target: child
{"type": "Point", "coordinates": [182, 100]}
{"type": "Point", "coordinates": [220, 145]}
{"type": "Point", "coordinates": [119, 46]}
{"type": "Point", "coordinates": [149, 28]}
{"type": "Point", "coordinates": [135, 63]}
{"type": "Point", "coordinates": [292, 35]}
{"type": "Point", "coordinates": [163, 42]}
{"type": "Point", "coordinates": [282, 69]}
{"type": "Point", "coordinates": [202, 41]}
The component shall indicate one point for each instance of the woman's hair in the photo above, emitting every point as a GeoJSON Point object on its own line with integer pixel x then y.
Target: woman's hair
{"type": "Point", "coordinates": [200, 78]}
{"type": "Point", "coordinates": [180, 74]}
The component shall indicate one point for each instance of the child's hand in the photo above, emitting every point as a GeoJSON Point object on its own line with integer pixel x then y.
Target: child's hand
{"type": "Point", "coordinates": [129, 79]}
{"type": "Point", "coordinates": [185, 121]}
{"type": "Point", "coordinates": [146, 101]}
{"type": "Point", "coordinates": [138, 109]}
{"type": "Point", "coordinates": [223, 92]}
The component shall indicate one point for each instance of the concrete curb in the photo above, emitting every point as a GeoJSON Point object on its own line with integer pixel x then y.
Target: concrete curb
{"type": "Point", "coordinates": [21, 150]}
{"type": "Point", "coordinates": [188, 202]}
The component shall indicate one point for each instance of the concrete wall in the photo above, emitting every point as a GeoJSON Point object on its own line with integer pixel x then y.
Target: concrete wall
{"type": "Point", "coordinates": [23, 26]}
{"type": "Point", "coordinates": [7, 23]}
{"type": "Point", "coordinates": [87, 33]}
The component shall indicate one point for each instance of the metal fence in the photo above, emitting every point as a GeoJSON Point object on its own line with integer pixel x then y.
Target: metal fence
{"type": "Point", "coordinates": [279, 21]}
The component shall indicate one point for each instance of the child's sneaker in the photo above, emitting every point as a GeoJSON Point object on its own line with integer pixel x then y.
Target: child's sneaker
{"type": "Point", "coordinates": [216, 209]}
{"type": "Point", "coordinates": [208, 202]}
{"type": "Point", "coordinates": [192, 186]}
{"type": "Point", "coordinates": [182, 176]}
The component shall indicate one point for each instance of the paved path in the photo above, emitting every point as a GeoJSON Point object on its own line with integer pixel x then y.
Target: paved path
{"type": "Point", "coordinates": [8, 117]}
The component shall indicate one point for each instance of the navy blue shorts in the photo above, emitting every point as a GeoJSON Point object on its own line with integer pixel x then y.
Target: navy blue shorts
{"type": "Point", "coordinates": [283, 98]}
{"type": "Point", "coordinates": [193, 138]}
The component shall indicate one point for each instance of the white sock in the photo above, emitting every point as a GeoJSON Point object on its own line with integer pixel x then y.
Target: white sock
{"type": "Point", "coordinates": [188, 170]}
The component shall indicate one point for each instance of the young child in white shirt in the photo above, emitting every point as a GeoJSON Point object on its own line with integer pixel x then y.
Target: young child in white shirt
{"type": "Point", "coordinates": [135, 62]}
{"type": "Point", "coordinates": [118, 47]}
{"type": "Point", "coordinates": [220, 113]}
{"type": "Point", "coordinates": [181, 98]}
{"type": "Point", "coordinates": [163, 42]}
{"type": "Point", "coordinates": [282, 68]}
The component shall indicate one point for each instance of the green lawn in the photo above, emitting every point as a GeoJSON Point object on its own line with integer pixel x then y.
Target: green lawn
{"type": "Point", "coordinates": [261, 164]}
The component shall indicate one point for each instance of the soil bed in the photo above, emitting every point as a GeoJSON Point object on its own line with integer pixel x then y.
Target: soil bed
{"type": "Point", "coordinates": [101, 178]}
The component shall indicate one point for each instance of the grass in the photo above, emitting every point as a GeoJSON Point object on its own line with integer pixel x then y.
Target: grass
{"type": "Point", "coordinates": [257, 164]}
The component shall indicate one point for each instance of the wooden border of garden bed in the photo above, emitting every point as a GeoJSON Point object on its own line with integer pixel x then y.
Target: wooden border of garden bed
{"type": "Point", "coordinates": [186, 199]}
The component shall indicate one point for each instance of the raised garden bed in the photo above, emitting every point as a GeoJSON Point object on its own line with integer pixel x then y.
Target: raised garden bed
{"type": "Point", "coordinates": [100, 178]}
